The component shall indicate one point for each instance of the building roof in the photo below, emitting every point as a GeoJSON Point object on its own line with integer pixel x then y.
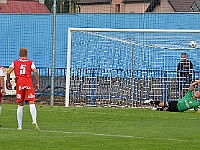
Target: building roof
{"type": "Point", "coordinates": [177, 5]}
{"type": "Point", "coordinates": [136, 1]}
{"type": "Point", "coordinates": [23, 7]}
{"type": "Point", "coordinates": [181, 5]}
{"type": "Point", "coordinates": [89, 2]}
{"type": "Point", "coordinates": [109, 1]}
{"type": "Point", "coordinates": [195, 6]}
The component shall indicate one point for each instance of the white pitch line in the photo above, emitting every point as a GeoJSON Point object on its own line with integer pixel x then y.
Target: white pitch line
{"type": "Point", "coordinates": [106, 135]}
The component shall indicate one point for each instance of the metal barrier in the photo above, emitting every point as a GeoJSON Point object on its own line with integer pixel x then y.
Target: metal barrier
{"type": "Point", "coordinates": [119, 87]}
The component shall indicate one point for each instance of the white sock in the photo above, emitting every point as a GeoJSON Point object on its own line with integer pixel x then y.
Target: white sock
{"type": "Point", "coordinates": [33, 112]}
{"type": "Point", "coordinates": [0, 109]}
{"type": "Point", "coordinates": [19, 115]}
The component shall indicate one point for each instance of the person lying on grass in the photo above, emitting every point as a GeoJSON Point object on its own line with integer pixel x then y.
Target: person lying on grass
{"type": "Point", "coordinates": [190, 100]}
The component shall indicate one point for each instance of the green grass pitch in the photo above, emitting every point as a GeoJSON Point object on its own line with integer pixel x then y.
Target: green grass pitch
{"type": "Point", "coordinates": [93, 128]}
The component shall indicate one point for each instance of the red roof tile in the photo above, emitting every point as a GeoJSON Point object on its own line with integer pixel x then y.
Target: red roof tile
{"type": "Point", "coordinates": [23, 7]}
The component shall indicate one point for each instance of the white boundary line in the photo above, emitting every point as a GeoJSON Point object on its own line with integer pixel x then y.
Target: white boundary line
{"type": "Point", "coordinates": [105, 135]}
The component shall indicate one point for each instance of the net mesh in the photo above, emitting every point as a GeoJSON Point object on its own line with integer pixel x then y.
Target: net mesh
{"type": "Point", "coordinates": [125, 69]}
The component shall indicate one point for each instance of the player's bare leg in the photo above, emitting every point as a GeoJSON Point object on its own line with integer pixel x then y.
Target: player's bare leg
{"type": "Point", "coordinates": [0, 109]}
{"type": "Point", "coordinates": [0, 113]}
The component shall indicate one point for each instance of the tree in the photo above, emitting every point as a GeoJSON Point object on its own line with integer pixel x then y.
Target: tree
{"type": "Point", "coordinates": [62, 6]}
{"type": "Point", "coordinates": [73, 5]}
{"type": "Point", "coordinates": [49, 5]}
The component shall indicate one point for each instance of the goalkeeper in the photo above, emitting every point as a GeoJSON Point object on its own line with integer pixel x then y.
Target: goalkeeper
{"type": "Point", "coordinates": [190, 100]}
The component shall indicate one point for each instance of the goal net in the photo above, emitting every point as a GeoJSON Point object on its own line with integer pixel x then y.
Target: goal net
{"type": "Point", "coordinates": [127, 67]}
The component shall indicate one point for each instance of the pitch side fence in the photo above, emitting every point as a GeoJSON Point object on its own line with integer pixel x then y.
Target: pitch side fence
{"type": "Point", "coordinates": [120, 87]}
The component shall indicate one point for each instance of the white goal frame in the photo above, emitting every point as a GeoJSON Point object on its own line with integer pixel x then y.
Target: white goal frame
{"type": "Point", "coordinates": [70, 30]}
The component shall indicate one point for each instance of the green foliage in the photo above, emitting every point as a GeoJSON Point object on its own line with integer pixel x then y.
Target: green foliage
{"type": "Point", "coordinates": [100, 129]}
{"type": "Point", "coordinates": [49, 4]}
{"type": "Point", "coordinates": [62, 6]}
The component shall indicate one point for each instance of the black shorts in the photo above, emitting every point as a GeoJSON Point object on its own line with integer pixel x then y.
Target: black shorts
{"type": "Point", "coordinates": [173, 106]}
{"type": "Point", "coordinates": [184, 80]}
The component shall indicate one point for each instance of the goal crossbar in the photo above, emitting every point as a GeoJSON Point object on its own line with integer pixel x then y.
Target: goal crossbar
{"type": "Point", "coordinates": [133, 30]}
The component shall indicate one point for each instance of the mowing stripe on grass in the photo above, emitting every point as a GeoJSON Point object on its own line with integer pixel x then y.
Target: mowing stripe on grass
{"type": "Point", "coordinates": [107, 135]}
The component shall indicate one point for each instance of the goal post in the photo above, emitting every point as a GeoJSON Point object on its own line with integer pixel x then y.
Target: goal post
{"type": "Point", "coordinates": [124, 67]}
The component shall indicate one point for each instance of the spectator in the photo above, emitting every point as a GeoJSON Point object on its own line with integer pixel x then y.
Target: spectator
{"type": "Point", "coordinates": [184, 74]}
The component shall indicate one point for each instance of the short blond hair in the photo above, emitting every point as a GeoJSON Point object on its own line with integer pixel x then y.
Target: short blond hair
{"type": "Point", "coordinates": [23, 52]}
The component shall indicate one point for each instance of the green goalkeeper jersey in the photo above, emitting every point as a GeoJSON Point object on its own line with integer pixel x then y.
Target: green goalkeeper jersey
{"type": "Point", "coordinates": [188, 102]}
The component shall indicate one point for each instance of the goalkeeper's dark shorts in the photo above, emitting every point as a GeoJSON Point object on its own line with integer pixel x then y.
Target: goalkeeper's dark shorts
{"type": "Point", "coordinates": [173, 107]}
